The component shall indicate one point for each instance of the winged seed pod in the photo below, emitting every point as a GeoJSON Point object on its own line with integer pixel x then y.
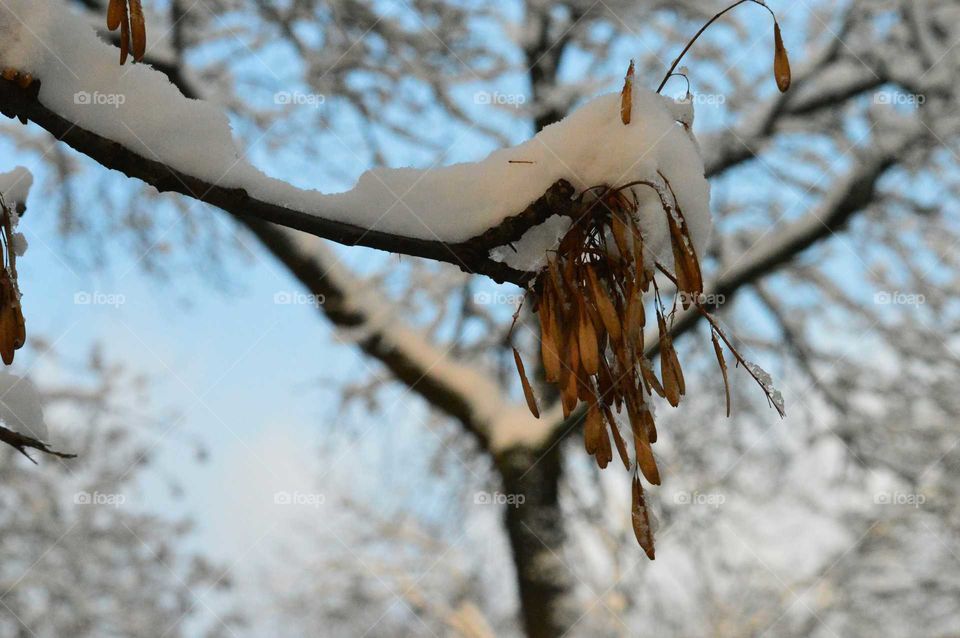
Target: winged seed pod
{"type": "Point", "coordinates": [592, 429]}
{"type": "Point", "coordinates": [124, 35]}
{"type": "Point", "coordinates": [115, 11]}
{"type": "Point", "coordinates": [589, 350]}
{"type": "Point", "coordinates": [641, 520]}
{"type": "Point", "coordinates": [591, 305]}
{"type": "Point", "coordinates": [127, 15]}
{"type": "Point", "coordinates": [626, 96]}
{"type": "Point", "coordinates": [12, 326]}
{"type": "Point", "coordinates": [527, 389]}
{"type": "Point", "coordinates": [138, 30]}
{"type": "Point", "coordinates": [781, 63]}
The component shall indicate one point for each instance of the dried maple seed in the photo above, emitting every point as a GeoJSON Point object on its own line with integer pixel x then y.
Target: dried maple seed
{"type": "Point", "coordinates": [592, 429]}
{"type": "Point", "coordinates": [641, 519]}
{"type": "Point", "coordinates": [127, 15]}
{"type": "Point", "coordinates": [124, 35]}
{"type": "Point", "coordinates": [781, 62]}
{"type": "Point", "coordinates": [626, 96]}
{"type": "Point", "coordinates": [115, 14]}
{"type": "Point", "coordinates": [527, 389]}
{"type": "Point", "coordinates": [589, 351]}
{"type": "Point", "coordinates": [138, 30]}
{"type": "Point", "coordinates": [12, 325]}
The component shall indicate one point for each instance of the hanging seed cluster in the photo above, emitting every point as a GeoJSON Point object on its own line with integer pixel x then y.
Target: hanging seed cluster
{"type": "Point", "coordinates": [590, 303]}
{"type": "Point", "coordinates": [12, 326]}
{"type": "Point", "coordinates": [127, 15]}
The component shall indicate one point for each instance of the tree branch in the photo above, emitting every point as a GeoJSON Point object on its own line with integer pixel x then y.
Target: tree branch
{"type": "Point", "coordinates": [22, 442]}
{"type": "Point", "coordinates": [459, 391]}
{"type": "Point", "coordinates": [472, 255]}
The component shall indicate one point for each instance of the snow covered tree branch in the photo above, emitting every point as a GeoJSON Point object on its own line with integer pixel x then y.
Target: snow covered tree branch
{"type": "Point", "coordinates": [471, 255]}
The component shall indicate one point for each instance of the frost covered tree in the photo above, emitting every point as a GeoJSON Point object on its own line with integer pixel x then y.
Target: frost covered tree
{"type": "Point", "coordinates": [832, 208]}
{"type": "Point", "coordinates": [81, 555]}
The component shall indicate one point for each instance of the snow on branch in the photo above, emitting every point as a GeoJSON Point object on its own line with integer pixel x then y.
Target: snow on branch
{"type": "Point", "coordinates": [21, 415]}
{"type": "Point", "coordinates": [135, 121]}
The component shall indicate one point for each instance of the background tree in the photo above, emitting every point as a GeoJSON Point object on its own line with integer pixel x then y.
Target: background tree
{"type": "Point", "coordinates": [834, 208]}
{"type": "Point", "coordinates": [82, 554]}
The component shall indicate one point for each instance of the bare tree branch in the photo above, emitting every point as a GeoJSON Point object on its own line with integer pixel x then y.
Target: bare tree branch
{"type": "Point", "coordinates": [21, 442]}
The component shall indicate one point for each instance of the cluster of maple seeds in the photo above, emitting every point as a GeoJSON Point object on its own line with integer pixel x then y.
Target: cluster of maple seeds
{"type": "Point", "coordinates": [590, 302]}
{"type": "Point", "coordinates": [127, 15]}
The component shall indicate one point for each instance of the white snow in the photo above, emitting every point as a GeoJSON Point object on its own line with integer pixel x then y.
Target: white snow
{"type": "Point", "coordinates": [15, 185]}
{"type": "Point", "coordinates": [766, 381]}
{"type": "Point", "coordinates": [21, 409]}
{"type": "Point", "coordinates": [139, 108]}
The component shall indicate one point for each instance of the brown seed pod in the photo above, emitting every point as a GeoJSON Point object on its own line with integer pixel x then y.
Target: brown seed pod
{"type": "Point", "coordinates": [723, 368]}
{"type": "Point", "coordinates": [606, 308]}
{"type": "Point", "coordinates": [618, 228]}
{"type": "Point", "coordinates": [587, 341]}
{"type": "Point", "coordinates": [636, 320]}
{"type": "Point", "coordinates": [550, 346]}
{"type": "Point", "coordinates": [115, 11]}
{"type": "Point", "coordinates": [138, 30]}
{"type": "Point", "coordinates": [689, 277]}
{"type": "Point", "coordinates": [604, 450]}
{"type": "Point", "coordinates": [670, 372]}
{"type": "Point", "coordinates": [646, 416]}
{"type": "Point", "coordinates": [592, 429]}
{"type": "Point", "coordinates": [7, 336]}
{"type": "Point", "coordinates": [527, 388]}
{"type": "Point", "coordinates": [626, 96]}
{"type": "Point", "coordinates": [585, 390]}
{"type": "Point", "coordinates": [617, 438]}
{"type": "Point", "coordinates": [641, 520]}
{"type": "Point", "coordinates": [645, 460]}
{"type": "Point", "coordinates": [568, 392]}
{"type": "Point", "coordinates": [781, 62]}
{"type": "Point", "coordinates": [124, 34]}
{"type": "Point", "coordinates": [572, 359]}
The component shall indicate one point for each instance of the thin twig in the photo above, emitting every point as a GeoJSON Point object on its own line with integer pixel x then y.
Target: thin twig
{"type": "Point", "coordinates": [719, 331]}
{"type": "Point", "coordinates": [700, 32]}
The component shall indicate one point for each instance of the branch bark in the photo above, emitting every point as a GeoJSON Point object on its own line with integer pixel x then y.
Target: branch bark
{"type": "Point", "coordinates": [21, 443]}
{"type": "Point", "coordinates": [472, 255]}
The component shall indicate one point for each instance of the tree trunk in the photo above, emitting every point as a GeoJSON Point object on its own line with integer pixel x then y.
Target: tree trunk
{"type": "Point", "coordinates": [536, 533]}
